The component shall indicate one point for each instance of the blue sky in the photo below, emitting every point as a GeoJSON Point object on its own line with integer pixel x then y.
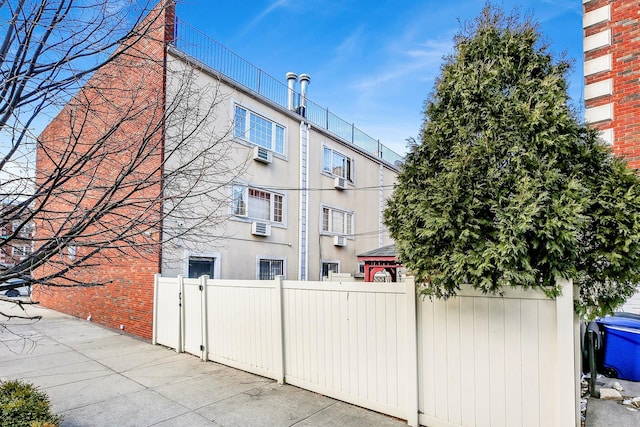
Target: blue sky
{"type": "Point", "coordinates": [371, 62]}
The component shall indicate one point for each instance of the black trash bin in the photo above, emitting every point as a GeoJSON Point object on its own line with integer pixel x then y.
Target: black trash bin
{"type": "Point", "coordinates": [584, 344]}
{"type": "Point", "coordinates": [620, 354]}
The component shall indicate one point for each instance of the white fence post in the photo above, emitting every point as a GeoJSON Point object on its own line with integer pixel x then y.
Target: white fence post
{"type": "Point", "coordinates": [568, 387]}
{"type": "Point", "coordinates": [279, 331]}
{"type": "Point", "coordinates": [577, 353]}
{"type": "Point", "coordinates": [154, 333]}
{"type": "Point", "coordinates": [181, 308]}
{"type": "Point", "coordinates": [205, 332]}
{"type": "Point", "coordinates": [412, 353]}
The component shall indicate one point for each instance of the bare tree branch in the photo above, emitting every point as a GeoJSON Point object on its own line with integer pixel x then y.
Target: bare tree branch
{"type": "Point", "coordinates": [134, 152]}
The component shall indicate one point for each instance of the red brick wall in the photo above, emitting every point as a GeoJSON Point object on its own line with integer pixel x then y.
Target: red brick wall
{"type": "Point", "coordinates": [625, 51]}
{"type": "Point", "coordinates": [129, 90]}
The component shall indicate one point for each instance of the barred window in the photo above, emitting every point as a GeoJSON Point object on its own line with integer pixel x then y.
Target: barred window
{"type": "Point", "coordinates": [268, 268]}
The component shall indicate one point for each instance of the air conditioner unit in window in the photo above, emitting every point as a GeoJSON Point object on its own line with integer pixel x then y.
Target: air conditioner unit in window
{"type": "Point", "coordinates": [339, 241]}
{"type": "Point", "coordinates": [340, 183]}
{"type": "Point", "coordinates": [262, 155]}
{"type": "Point", "coordinates": [260, 229]}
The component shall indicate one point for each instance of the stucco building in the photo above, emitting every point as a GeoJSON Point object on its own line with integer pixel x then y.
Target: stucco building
{"type": "Point", "coordinates": [302, 194]}
{"type": "Point", "coordinates": [308, 200]}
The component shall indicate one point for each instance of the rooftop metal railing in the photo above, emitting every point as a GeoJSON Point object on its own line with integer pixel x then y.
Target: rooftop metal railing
{"type": "Point", "coordinates": [208, 51]}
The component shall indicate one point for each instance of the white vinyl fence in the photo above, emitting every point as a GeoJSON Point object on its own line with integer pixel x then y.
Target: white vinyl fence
{"type": "Point", "coordinates": [474, 360]}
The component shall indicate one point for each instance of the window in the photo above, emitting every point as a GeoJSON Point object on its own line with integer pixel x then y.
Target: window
{"type": "Point", "coordinates": [26, 232]}
{"type": "Point", "coordinates": [269, 268]}
{"type": "Point", "coordinates": [335, 221]}
{"type": "Point", "coordinates": [258, 130]}
{"type": "Point", "coordinates": [21, 251]}
{"type": "Point", "coordinates": [327, 267]}
{"type": "Point", "coordinates": [337, 164]}
{"type": "Point", "coordinates": [258, 204]}
{"type": "Point", "coordinates": [201, 266]}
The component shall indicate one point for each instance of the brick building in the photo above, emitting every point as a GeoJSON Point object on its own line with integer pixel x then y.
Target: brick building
{"type": "Point", "coordinates": [16, 244]}
{"type": "Point", "coordinates": [117, 106]}
{"type": "Point", "coordinates": [612, 73]}
{"type": "Point", "coordinates": [612, 80]}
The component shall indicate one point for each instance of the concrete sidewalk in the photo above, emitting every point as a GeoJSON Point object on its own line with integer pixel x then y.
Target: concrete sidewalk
{"type": "Point", "coordinates": [99, 377]}
{"type": "Point", "coordinates": [606, 413]}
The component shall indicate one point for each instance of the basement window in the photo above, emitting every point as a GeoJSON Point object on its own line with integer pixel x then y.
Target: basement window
{"type": "Point", "coordinates": [269, 268]}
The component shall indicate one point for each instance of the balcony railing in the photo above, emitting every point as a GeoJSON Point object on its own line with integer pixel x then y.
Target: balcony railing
{"type": "Point", "coordinates": [206, 50]}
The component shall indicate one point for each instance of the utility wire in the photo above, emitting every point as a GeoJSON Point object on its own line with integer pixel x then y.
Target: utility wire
{"type": "Point", "coordinates": [377, 187]}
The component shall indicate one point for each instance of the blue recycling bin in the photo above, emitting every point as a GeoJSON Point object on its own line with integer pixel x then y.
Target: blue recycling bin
{"type": "Point", "coordinates": [621, 348]}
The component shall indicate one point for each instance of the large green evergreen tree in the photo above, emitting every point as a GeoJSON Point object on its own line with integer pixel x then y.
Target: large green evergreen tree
{"type": "Point", "coordinates": [507, 187]}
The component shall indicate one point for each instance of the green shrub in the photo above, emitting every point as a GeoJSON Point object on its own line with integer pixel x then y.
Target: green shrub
{"type": "Point", "coordinates": [24, 405]}
{"type": "Point", "coordinates": [507, 185]}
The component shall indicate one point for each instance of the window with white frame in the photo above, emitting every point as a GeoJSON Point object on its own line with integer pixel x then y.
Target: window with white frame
{"type": "Point", "coordinates": [201, 266]}
{"type": "Point", "coordinates": [330, 266]}
{"type": "Point", "coordinates": [269, 268]}
{"type": "Point", "coordinates": [258, 204]}
{"type": "Point", "coordinates": [337, 164]}
{"type": "Point", "coordinates": [336, 221]}
{"type": "Point", "coordinates": [258, 130]}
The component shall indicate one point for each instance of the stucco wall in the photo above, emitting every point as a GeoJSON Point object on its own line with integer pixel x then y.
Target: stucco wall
{"type": "Point", "coordinates": [236, 250]}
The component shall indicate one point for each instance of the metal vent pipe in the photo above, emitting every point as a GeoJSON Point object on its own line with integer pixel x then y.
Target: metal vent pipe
{"type": "Point", "coordinates": [292, 78]}
{"type": "Point", "coordinates": [305, 79]}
